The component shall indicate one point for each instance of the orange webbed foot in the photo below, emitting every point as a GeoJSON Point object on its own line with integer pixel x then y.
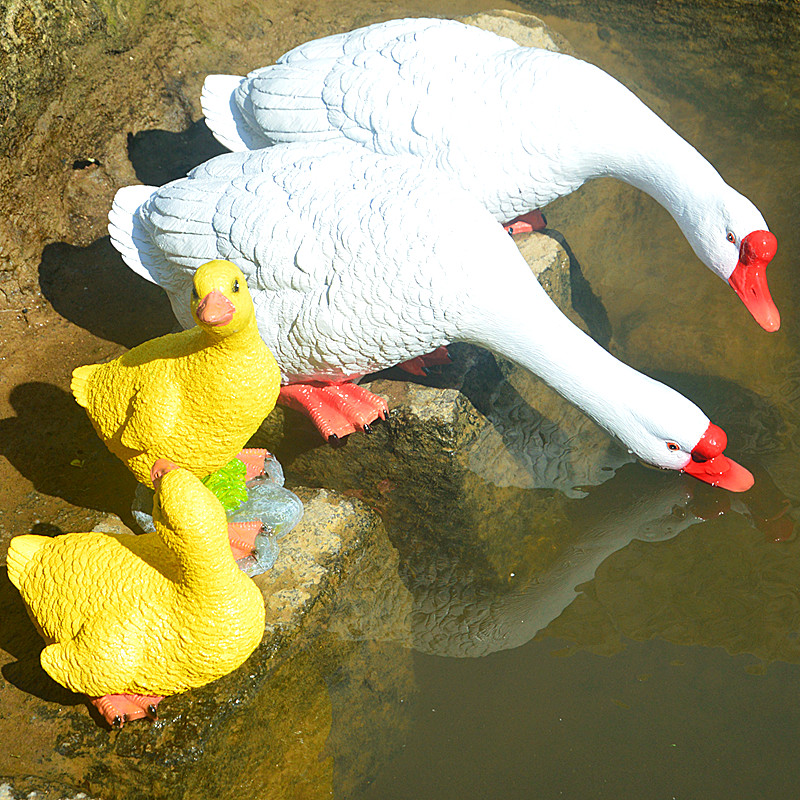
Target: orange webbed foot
{"type": "Point", "coordinates": [337, 409]}
{"type": "Point", "coordinates": [253, 458]}
{"type": "Point", "coordinates": [117, 709]}
{"type": "Point", "coordinates": [526, 223]}
{"type": "Point", "coordinates": [242, 537]}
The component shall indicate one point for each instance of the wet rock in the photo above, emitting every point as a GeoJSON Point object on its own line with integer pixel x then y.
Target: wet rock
{"type": "Point", "coordinates": [36, 40]}
{"type": "Point", "coordinates": [255, 712]}
{"type": "Point", "coordinates": [525, 29]}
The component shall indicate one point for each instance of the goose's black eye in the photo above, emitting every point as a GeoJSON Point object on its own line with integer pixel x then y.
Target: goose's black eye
{"type": "Point", "coordinates": [731, 237]}
{"type": "Point", "coordinates": [195, 296]}
{"type": "Point", "coordinates": [672, 446]}
{"type": "Point", "coordinates": [236, 286]}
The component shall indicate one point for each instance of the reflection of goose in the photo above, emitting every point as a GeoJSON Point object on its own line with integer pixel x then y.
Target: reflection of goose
{"type": "Point", "coordinates": [357, 262]}
{"type": "Point", "coordinates": [451, 618]}
{"type": "Point", "coordinates": [516, 126]}
{"type": "Point", "coordinates": [534, 447]}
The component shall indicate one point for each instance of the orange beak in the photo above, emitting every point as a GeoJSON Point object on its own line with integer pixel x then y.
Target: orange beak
{"type": "Point", "coordinates": [215, 309]}
{"type": "Point", "coordinates": [708, 464]}
{"type": "Point", "coordinates": [160, 469]}
{"type": "Point", "coordinates": [749, 278]}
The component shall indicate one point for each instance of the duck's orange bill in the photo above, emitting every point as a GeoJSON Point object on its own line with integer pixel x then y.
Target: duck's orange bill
{"type": "Point", "coordinates": [160, 469]}
{"type": "Point", "coordinates": [215, 309]}
{"type": "Point", "coordinates": [749, 278]}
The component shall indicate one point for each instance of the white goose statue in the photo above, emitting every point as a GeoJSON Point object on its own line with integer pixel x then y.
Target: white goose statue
{"type": "Point", "coordinates": [357, 261]}
{"type": "Point", "coordinates": [516, 126]}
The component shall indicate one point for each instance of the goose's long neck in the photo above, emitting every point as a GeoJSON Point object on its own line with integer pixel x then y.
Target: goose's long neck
{"type": "Point", "coordinates": [526, 326]}
{"type": "Point", "coordinates": [655, 159]}
{"type": "Point", "coordinates": [603, 129]}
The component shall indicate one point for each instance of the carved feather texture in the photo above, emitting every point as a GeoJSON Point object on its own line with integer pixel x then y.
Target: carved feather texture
{"type": "Point", "coordinates": [153, 614]}
{"type": "Point", "coordinates": [358, 261]}
{"type": "Point", "coordinates": [515, 126]}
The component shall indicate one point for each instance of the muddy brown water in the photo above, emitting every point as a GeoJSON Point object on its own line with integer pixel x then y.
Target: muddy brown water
{"type": "Point", "coordinates": [672, 673]}
{"type": "Point", "coordinates": [666, 668]}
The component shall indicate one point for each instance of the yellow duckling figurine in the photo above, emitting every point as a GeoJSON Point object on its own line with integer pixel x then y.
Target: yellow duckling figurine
{"type": "Point", "coordinates": [194, 397]}
{"type": "Point", "coordinates": [185, 614]}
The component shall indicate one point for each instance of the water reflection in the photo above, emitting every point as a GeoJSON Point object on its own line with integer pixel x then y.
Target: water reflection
{"type": "Point", "coordinates": [728, 581]}
{"type": "Point", "coordinates": [453, 617]}
{"type": "Point", "coordinates": [599, 573]}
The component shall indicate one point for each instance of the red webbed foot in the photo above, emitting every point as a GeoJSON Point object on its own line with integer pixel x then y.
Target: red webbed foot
{"type": "Point", "coordinates": [526, 223]}
{"type": "Point", "coordinates": [117, 709]}
{"type": "Point", "coordinates": [253, 459]}
{"type": "Point", "coordinates": [337, 409]}
{"type": "Point", "coordinates": [242, 537]}
{"type": "Point", "coordinates": [421, 364]}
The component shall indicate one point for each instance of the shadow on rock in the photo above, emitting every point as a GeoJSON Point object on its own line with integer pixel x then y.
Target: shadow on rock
{"type": "Point", "coordinates": [162, 156]}
{"type": "Point", "coordinates": [52, 443]}
{"type": "Point", "coordinates": [92, 287]}
{"type": "Point", "coordinates": [586, 303]}
{"type": "Point", "coordinates": [19, 638]}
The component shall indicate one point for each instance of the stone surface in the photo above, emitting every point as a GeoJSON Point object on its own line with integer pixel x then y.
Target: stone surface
{"type": "Point", "coordinates": [525, 29]}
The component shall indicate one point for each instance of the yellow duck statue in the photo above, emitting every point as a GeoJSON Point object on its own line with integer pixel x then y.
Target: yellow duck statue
{"type": "Point", "coordinates": [184, 616]}
{"type": "Point", "coordinates": [194, 397]}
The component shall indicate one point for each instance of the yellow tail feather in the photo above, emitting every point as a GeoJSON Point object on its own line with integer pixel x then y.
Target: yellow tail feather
{"type": "Point", "coordinates": [21, 550]}
{"type": "Point", "coordinates": [80, 383]}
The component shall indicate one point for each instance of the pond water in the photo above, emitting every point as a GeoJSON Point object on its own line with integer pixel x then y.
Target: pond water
{"type": "Point", "coordinates": [640, 639]}
{"type": "Point", "coordinates": [674, 670]}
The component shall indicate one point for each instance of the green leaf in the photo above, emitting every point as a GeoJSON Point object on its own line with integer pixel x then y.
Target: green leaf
{"type": "Point", "coordinates": [227, 484]}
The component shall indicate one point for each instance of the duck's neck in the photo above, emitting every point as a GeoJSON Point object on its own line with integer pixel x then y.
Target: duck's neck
{"type": "Point", "coordinates": [206, 564]}
{"type": "Point", "coordinates": [246, 340]}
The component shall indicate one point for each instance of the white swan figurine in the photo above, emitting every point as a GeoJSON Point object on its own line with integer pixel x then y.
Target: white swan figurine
{"type": "Point", "coordinates": [516, 126]}
{"type": "Point", "coordinates": [357, 261]}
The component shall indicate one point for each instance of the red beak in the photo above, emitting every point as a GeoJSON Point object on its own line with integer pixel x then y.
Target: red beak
{"type": "Point", "coordinates": [749, 279]}
{"type": "Point", "coordinates": [215, 309]}
{"type": "Point", "coordinates": [708, 464]}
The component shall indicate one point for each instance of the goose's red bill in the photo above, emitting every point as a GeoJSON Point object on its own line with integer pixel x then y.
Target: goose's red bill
{"type": "Point", "coordinates": [708, 463]}
{"type": "Point", "coordinates": [749, 278]}
{"type": "Point", "coordinates": [721, 471]}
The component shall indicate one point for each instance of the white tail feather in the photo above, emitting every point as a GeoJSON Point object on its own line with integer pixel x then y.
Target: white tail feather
{"type": "Point", "coordinates": [128, 235]}
{"type": "Point", "coordinates": [223, 116]}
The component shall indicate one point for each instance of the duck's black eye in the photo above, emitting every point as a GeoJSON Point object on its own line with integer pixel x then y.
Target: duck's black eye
{"type": "Point", "coordinates": [195, 296]}
{"type": "Point", "coordinates": [672, 446]}
{"type": "Point", "coordinates": [731, 237]}
{"type": "Point", "coordinates": [236, 286]}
